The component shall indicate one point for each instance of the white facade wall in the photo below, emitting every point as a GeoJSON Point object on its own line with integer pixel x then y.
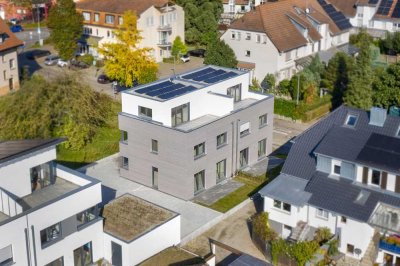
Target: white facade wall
{"type": "Point", "coordinates": [147, 245]}
{"type": "Point", "coordinates": [363, 16]}
{"type": "Point", "coordinates": [297, 213]}
{"type": "Point", "coordinates": [201, 101]}
{"type": "Point", "coordinates": [15, 174]}
{"type": "Point", "coordinates": [391, 177]}
{"type": "Point", "coordinates": [13, 233]}
{"type": "Point", "coordinates": [317, 221]}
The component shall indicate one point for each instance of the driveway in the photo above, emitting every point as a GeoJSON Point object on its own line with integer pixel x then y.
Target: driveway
{"type": "Point", "coordinates": [193, 216]}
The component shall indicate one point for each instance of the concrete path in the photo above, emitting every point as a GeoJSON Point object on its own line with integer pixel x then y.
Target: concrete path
{"type": "Point", "coordinates": [217, 192]}
{"type": "Point", "coordinates": [193, 216]}
{"type": "Point", "coordinates": [263, 166]}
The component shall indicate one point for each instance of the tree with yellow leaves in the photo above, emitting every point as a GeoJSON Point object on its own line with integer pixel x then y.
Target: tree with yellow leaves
{"type": "Point", "coordinates": [125, 61]}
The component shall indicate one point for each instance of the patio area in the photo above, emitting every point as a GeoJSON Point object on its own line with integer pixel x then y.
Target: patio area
{"type": "Point", "coordinates": [212, 195]}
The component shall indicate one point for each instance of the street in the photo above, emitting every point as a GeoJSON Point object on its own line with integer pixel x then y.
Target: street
{"type": "Point", "coordinates": [31, 36]}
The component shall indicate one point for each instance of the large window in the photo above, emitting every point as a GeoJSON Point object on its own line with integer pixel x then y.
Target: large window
{"type": "Point", "coordinates": [154, 146]}
{"type": "Point", "coordinates": [180, 114]}
{"type": "Point", "coordinates": [110, 19]}
{"type": "Point", "coordinates": [262, 148]}
{"type": "Point", "coordinates": [42, 176]}
{"type": "Point", "coordinates": [244, 157]}
{"type": "Point", "coordinates": [199, 150]}
{"type": "Point", "coordinates": [376, 177]}
{"type": "Point", "coordinates": [282, 205]}
{"type": "Point", "coordinates": [96, 17]}
{"type": "Point", "coordinates": [83, 255]}
{"type": "Point", "coordinates": [120, 20]}
{"type": "Point", "coordinates": [321, 213]}
{"type": "Point", "coordinates": [221, 139]}
{"type": "Point", "coordinates": [145, 112]}
{"type": "Point", "coordinates": [86, 216]}
{"type": "Point", "coordinates": [6, 256]}
{"type": "Point", "coordinates": [12, 63]}
{"type": "Point", "coordinates": [50, 234]}
{"type": "Point", "coordinates": [154, 177]}
{"type": "Point", "coordinates": [199, 181]}
{"type": "Point", "coordinates": [57, 262]}
{"type": "Point", "coordinates": [262, 120]}
{"type": "Point", "coordinates": [221, 170]}
{"type": "Point", "coordinates": [235, 92]}
{"type": "Point", "coordinates": [86, 16]}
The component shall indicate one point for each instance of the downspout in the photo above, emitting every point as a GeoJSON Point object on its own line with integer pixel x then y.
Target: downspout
{"type": "Point", "coordinates": [233, 154]}
{"type": "Point", "coordinates": [237, 144]}
{"type": "Point", "coordinates": [27, 241]}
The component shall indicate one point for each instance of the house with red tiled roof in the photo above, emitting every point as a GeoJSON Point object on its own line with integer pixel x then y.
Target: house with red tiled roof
{"type": "Point", "coordinates": [159, 21]}
{"type": "Point", "coordinates": [240, 6]}
{"type": "Point", "coordinates": [273, 37]}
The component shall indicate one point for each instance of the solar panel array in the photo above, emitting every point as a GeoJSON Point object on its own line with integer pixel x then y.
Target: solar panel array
{"type": "Point", "coordinates": [165, 90]}
{"type": "Point", "coordinates": [210, 75]}
{"type": "Point", "coordinates": [384, 7]}
{"type": "Point", "coordinates": [373, 2]}
{"type": "Point", "coordinates": [396, 11]}
{"type": "Point", "coordinates": [340, 20]}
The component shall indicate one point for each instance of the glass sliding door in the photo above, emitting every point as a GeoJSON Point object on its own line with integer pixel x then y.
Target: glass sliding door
{"type": "Point", "coordinates": [221, 170]}
{"type": "Point", "coordinates": [199, 181]}
{"type": "Point", "coordinates": [83, 255]}
{"type": "Point", "coordinates": [42, 176]}
{"type": "Point", "coordinates": [244, 157]}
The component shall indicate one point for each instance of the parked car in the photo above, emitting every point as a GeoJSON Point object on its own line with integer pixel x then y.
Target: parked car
{"type": "Point", "coordinates": [62, 63]}
{"type": "Point", "coordinates": [31, 55]}
{"type": "Point", "coordinates": [104, 79]}
{"type": "Point", "coordinates": [197, 53]}
{"type": "Point", "coordinates": [185, 58]}
{"type": "Point", "coordinates": [14, 21]}
{"type": "Point", "coordinates": [51, 60]}
{"type": "Point", "coordinates": [79, 64]}
{"type": "Point", "coordinates": [16, 28]}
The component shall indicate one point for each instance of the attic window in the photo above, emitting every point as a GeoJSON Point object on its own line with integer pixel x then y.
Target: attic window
{"type": "Point", "coordinates": [362, 197]}
{"type": "Point", "coordinates": [398, 132]}
{"type": "Point", "coordinates": [351, 120]}
{"type": "Point", "coordinates": [298, 10]}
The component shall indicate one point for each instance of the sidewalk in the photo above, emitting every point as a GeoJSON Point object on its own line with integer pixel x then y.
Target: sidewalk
{"type": "Point", "coordinates": [193, 216]}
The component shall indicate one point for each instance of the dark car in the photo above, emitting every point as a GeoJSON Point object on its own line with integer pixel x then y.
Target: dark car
{"type": "Point", "coordinates": [31, 55]}
{"type": "Point", "coordinates": [104, 79]}
{"type": "Point", "coordinates": [197, 52]}
{"type": "Point", "coordinates": [16, 28]}
{"type": "Point", "coordinates": [79, 64]}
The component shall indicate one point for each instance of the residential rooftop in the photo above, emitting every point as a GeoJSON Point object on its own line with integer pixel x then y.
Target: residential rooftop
{"type": "Point", "coordinates": [9, 40]}
{"type": "Point", "coordinates": [129, 217]}
{"type": "Point", "coordinates": [120, 6]}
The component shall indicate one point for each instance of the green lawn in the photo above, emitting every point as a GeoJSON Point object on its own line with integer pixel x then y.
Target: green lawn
{"type": "Point", "coordinates": [250, 187]}
{"type": "Point", "coordinates": [104, 143]}
{"type": "Point", "coordinates": [33, 25]}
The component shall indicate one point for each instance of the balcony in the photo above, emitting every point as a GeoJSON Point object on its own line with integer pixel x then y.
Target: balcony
{"type": "Point", "coordinates": [165, 27]}
{"type": "Point", "coordinates": [390, 244]}
{"type": "Point", "coordinates": [164, 43]}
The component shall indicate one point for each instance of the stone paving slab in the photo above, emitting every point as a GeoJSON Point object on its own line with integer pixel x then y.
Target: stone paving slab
{"type": "Point", "coordinates": [263, 166]}
{"type": "Point", "coordinates": [217, 192]}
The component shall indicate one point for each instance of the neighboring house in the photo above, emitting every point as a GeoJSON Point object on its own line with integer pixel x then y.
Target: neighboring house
{"type": "Point", "coordinates": [274, 35]}
{"type": "Point", "coordinates": [48, 213]}
{"type": "Point", "coordinates": [9, 78]}
{"type": "Point", "coordinates": [159, 21]}
{"type": "Point", "coordinates": [9, 10]}
{"type": "Point", "coordinates": [343, 173]}
{"type": "Point", "coordinates": [190, 132]}
{"type": "Point", "coordinates": [240, 6]}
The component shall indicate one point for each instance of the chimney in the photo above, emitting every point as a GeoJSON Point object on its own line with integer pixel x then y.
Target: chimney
{"type": "Point", "coordinates": [377, 116]}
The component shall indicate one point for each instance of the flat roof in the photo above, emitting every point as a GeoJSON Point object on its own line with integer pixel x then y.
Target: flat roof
{"type": "Point", "coordinates": [174, 256]}
{"type": "Point", "coordinates": [178, 85]}
{"type": "Point", "coordinates": [129, 217]}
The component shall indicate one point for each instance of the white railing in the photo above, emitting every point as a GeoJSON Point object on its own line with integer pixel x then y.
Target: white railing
{"type": "Point", "coordinates": [8, 204]}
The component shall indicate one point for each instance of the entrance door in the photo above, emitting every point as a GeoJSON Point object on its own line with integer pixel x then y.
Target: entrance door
{"type": "Point", "coordinates": [11, 84]}
{"type": "Point", "coordinates": [116, 254]}
{"type": "Point", "coordinates": [244, 157]}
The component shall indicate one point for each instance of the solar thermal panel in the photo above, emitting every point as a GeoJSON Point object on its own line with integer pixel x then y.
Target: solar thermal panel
{"type": "Point", "coordinates": [210, 75]}
{"type": "Point", "coordinates": [177, 92]}
{"type": "Point", "coordinates": [198, 73]}
{"type": "Point", "coordinates": [154, 87]}
{"type": "Point", "coordinates": [220, 77]}
{"type": "Point", "coordinates": [165, 90]}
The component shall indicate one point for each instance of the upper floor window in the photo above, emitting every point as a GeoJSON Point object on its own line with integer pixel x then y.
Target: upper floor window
{"type": "Point", "coordinates": [110, 19]}
{"type": "Point", "coordinates": [86, 16]}
{"type": "Point", "coordinates": [199, 149]}
{"type": "Point", "coordinates": [180, 114]}
{"type": "Point", "coordinates": [125, 163]}
{"type": "Point", "coordinates": [282, 205]}
{"type": "Point", "coordinates": [86, 216]}
{"type": "Point", "coordinates": [248, 36]}
{"type": "Point", "coordinates": [263, 120]}
{"type": "Point", "coordinates": [351, 120]}
{"type": "Point", "coordinates": [321, 213]}
{"type": "Point", "coordinates": [233, 35]}
{"type": "Point", "coordinates": [336, 169]}
{"type": "Point", "coordinates": [360, 15]}
{"type": "Point", "coordinates": [221, 139]}
{"type": "Point", "coordinates": [288, 56]}
{"type": "Point", "coordinates": [145, 112]}
{"type": "Point", "coordinates": [96, 17]}
{"type": "Point", "coordinates": [124, 136]}
{"type": "Point", "coordinates": [376, 177]}
{"type": "Point", "coordinates": [120, 20]}
{"type": "Point", "coordinates": [258, 38]}
{"type": "Point", "coordinates": [235, 92]}
{"type": "Point", "coordinates": [12, 63]}
{"type": "Point", "coordinates": [149, 21]}
{"type": "Point", "coordinates": [247, 53]}
{"type": "Point", "coordinates": [6, 255]}
{"type": "Point", "coordinates": [244, 129]}
{"type": "Point", "coordinates": [154, 146]}
{"type": "Point", "coordinates": [50, 234]}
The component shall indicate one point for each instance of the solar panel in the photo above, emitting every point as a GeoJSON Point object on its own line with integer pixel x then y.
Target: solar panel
{"type": "Point", "coordinates": [177, 92]}
{"type": "Point", "coordinates": [384, 7]}
{"type": "Point", "coordinates": [210, 75]}
{"type": "Point", "coordinates": [165, 90]}
{"type": "Point", "coordinates": [198, 73]}
{"type": "Point", "coordinates": [220, 77]}
{"type": "Point", "coordinates": [154, 87]}
{"type": "Point", "coordinates": [373, 2]}
{"type": "Point", "coordinates": [338, 18]}
{"type": "Point", "coordinates": [396, 11]}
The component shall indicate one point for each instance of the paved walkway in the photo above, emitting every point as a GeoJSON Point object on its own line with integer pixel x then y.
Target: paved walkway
{"type": "Point", "coordinates": [263, 166]}
{"type": "Point", "coordinates": [217, 192]}
{"type": "Point", "coordinates": [193, 216]}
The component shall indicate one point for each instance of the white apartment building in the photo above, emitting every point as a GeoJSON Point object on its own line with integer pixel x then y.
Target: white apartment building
{"type": "Point", "coordinates": [240, 6]}
{"type": "Point", "coordinates": [273, 36]}
{"type": "Point", "coordinates": [159, 21]}
{"type": "Point", "coordinates": [343, 174]}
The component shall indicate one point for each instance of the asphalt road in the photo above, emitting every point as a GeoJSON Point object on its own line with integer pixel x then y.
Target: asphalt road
{"type": "Point", "coordinates": [31, 36]}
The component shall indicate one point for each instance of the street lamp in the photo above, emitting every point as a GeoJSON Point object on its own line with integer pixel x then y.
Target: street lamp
{"type": "Point", "coordinates": [38, 19]}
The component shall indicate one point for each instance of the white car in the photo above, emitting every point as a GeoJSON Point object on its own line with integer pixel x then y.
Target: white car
{"type": "Point", "coordinates": [62, 63]}
{"type": "Point", "coordinates": [185, 58]}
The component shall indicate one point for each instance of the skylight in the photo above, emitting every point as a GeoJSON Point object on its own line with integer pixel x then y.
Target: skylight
{"type": "Point", "coordinates": [351, 120]}
{"type": "Point", "coordinates": [362, 197]}
{"type": "Point", "coordinates": [398, 132]}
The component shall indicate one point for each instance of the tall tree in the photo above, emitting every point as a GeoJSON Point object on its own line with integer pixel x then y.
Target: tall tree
{"type": "Point", "coordinates": [66, 27]}
{"type": "Point", "coordinates": [386, 86]}
{"type": "Point", "coordinates": [220, 54]}
{"type": "Point", "coordinates": [124, 60]}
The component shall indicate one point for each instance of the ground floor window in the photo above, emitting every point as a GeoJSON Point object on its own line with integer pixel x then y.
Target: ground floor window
{"type": "Point", "coordinates": [262, 148]}
{"type": "Point", "coordinates": [6, 256]}
{"type": "Point", "coordinates": [199, 181]}
{"type": "Point", "coordinates": [350, 248]}
{"type": "Point", "coordinates": [83, 255]}
{"type": "Point", "coordinates": [154, 177]}
{"type": "Point", "coordinates": [244, 157]}
{"type": "Point", "coordinates": [57, 262]}
{"type": "Point", "coordinates": [221, 170]}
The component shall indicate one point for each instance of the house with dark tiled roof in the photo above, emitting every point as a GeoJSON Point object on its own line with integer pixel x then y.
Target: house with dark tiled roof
{"type": "Point", "coordinates": [159, 21]}
{"type": "Point", "coordinates": [272, 37]}
{"type": "Point", "coordinates": [343, 173]}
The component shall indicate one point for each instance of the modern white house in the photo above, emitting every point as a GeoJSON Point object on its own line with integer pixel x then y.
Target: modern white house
{"type": "Point", "coordinates": [159, 21]}
{"type": "Point", "coordinates": [343, 173]}
{"type": "Point", "coordinates": [274, 36]}
{"type": "Point", "coordinates": [192, 131]}
{"type": "Point", "coordinates": [49, 214]}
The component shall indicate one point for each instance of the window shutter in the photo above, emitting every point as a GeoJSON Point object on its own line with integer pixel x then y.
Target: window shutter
{"type": "Point", "coordinates": [384, 180]}
{"type": "Point", "coordinates": [365, 175]}
{"type": "Point", "coordinates": [397, 187]}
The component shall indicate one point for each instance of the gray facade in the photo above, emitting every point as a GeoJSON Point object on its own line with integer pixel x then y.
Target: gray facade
{"type": "Point", "coordinates": [175, 157]}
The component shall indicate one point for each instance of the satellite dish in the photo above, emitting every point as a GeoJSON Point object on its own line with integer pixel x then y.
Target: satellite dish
{"type": "Point", "coordinates": [307, 10]}
{"type": "Point", "coordinates": [357, 251]}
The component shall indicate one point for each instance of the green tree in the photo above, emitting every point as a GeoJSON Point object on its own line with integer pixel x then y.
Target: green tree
{"type": "Point", "coordinates": [178, 47]}
{"type": "Point", "coordinates": [269, 82]}
{"type": "Point", "coordinates": [386, 87]}
{"type": "Point", "coordinates": [124, 60]}
{"type": "Point", "coordinates": [361, 38]}
{"type": "Point", "coordinates": [66, 27]}
{"type": "Point", "coordinates": [220, 54]}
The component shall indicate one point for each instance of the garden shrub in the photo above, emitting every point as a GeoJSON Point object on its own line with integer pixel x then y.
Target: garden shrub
{"type": "Point", "coordinates": [87, 59]}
